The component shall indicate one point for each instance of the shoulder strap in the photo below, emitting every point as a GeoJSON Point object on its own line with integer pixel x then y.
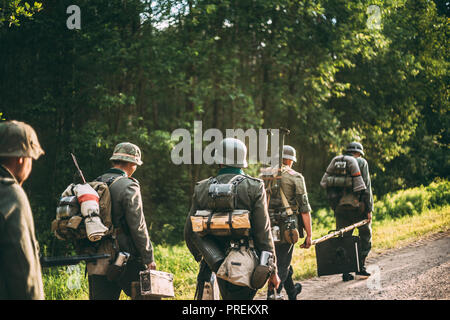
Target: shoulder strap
{"type": "Point", "coordinates": [236, 179]}
{"type": "Point", "coordinates": [285, 202]}
{"type": "Point", "coordinates": [112, 180]}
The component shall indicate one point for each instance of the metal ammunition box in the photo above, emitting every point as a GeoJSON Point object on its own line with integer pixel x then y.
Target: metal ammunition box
{"type": "Point", "coordinates": [156, 283]}
{"type": "Point", "coordinates": [337, 255]}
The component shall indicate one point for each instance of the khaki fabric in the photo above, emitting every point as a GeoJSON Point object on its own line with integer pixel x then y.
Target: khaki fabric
{"type": "Point", "coordinates": [238, 267]}
{"type": "Point", "coordinates": [20, 268]}
{"type": "Point", "coordinates": [18, 139]}
{"type": "Point", "coordinates": [219, 222]}
{"type": "Point", "coordinates": [294, 189]}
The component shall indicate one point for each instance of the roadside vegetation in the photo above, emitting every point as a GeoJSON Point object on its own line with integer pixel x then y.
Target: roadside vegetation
{"type": "Point", "coordinates": [399, 218]}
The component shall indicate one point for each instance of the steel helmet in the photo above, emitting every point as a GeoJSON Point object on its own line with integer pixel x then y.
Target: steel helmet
{"type": "Point", "coordinates": [18, 139]}
{"type": "Point", "coordinates": [355, 147]}
{"type": "Point", "coordinates": [289, 153]}
{"type": "Point", "coordinates": [127, 152]}
{"type": "Point", "coordinates": [231, 152]}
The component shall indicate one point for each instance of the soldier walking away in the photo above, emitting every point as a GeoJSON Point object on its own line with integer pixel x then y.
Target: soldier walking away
{"type": "Point", "coordinates": [128, 220]}
{"type": "Point", "coordinates": [292, 189]}
{"type": "Point", "coordinates": [249, 194]}
{"type": "Point", "coordinates": [351, 199]}
{"type": "Point", "coordinates": [20, 269]}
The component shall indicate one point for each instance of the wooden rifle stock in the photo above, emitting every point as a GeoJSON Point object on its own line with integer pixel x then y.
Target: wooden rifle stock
{"type": "Point", "coordinates": [340, 232]}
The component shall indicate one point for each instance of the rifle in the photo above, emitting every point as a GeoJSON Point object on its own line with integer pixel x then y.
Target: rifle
{"type": "Point", "coordinates": [340, 232]}
{"type": "Point", "coordinates": [48, 262]}
{"type": "Point", "coordinates": [78, 167]}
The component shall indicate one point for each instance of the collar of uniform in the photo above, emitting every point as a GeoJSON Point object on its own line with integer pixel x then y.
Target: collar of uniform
{"type": "Point", "coordinates": [117, 170]}
{"type": "Point", "coordinates": [350, 155]}
{"type": "Point", "coordinates": [5, 174]}
{"type": "Point", "coordinates": [228, 170]}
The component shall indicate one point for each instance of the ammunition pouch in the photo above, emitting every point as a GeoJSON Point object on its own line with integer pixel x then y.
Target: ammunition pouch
{"type": "Point", "coordinates": [287, 226]}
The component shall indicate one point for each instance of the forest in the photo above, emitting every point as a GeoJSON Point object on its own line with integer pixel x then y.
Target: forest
{"type": "Point", "coordinates": [331, 71]}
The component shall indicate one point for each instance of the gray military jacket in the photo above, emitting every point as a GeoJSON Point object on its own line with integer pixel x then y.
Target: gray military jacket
{"type": "Point", "coordinates": [251, 195]}
{"type": "Point", "coordinates": [128, 215]}
{"type": "Point", "coordinates": [20, 269]}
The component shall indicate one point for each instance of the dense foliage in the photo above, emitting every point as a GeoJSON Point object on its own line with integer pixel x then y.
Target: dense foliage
{"type": "Point", "coordinates": [331, 71]}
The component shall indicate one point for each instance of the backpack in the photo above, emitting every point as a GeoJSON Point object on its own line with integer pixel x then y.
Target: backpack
{"type": "Point", "coordinates": [222, 218]}
{"type": "Point", "coordinates": [69, 224]}
{"type": "Point", "coordinates": [284, 223]}
{"type": "Point", "coordinates": [343, 183]}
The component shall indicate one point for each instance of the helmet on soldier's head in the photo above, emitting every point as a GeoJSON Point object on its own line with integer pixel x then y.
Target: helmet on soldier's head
{"type": "Point", "coordinates": [127, 152]}
{"type": "Point", "coordinates": [355, 147]}
{"type": "Point", "coordinates": [231, 152]}
{"type": "Point", "coordinates": [18, 139]}
{"type": "Point", "coordinates": [289, 153]}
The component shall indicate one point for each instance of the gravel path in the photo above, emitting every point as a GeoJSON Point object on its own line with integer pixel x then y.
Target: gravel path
{"type": "Point", "coordinates": [417, 271]}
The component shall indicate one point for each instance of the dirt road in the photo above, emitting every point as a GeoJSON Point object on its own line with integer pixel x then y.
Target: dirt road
{"type": "Point", "coordinates": [418, 271]}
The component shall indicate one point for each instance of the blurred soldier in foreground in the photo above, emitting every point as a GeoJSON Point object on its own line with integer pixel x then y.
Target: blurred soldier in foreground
{"type": "Point", "coordinates": [230, 211]}
{"type": "Point", "coordinates": [129, 221]}
{"type": "Point", "coordinates": [349, 192]}
{"type": "Point", "coordinates": [289, 210]}
{"type": "Point", "coordinates": [20, 269]}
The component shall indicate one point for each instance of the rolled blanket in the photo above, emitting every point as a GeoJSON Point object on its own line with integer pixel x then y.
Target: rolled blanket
{"type": "Point", "coordinates": [353, 167]}
{"type": "Point", "coordinates": [89, 203]}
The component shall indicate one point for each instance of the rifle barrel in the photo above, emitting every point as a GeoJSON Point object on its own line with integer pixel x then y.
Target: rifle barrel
{"type": "Point", "coordinates": [78, 167]}
{"type": "Point", "coordinates": [47, 262]}
{"type": "Point", "coordinates": [340, 231]}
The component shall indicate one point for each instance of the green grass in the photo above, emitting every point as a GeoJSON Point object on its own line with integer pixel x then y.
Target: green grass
{"type": "Point", "coordinates": [399, 218]}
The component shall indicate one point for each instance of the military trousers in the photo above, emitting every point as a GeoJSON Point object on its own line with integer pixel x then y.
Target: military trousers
{"type": "Point", "coordinates": [284, 252]}
{"type": "Point", "coordinates": [100, 288]}
{"type": "Point", "coordinates": [229, 291]}
{"type": "Point", "coordinates": [344, 218]}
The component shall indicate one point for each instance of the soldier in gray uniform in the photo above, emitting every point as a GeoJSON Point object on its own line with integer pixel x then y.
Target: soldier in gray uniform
{"type": "Point", "coordinates": [128, 218]}
{"type": "Point", "coordinates": [251, 196]}
{"type": "Point", "coordinates": [347, 217]}
{"type": "Point", "coordinates": [294, 189]}
{"type": "Point", "coordinates": [20, 269]}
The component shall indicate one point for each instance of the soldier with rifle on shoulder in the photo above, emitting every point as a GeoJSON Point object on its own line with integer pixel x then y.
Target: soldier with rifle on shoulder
{"type": "Point", "coordinates": [289, 210]}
